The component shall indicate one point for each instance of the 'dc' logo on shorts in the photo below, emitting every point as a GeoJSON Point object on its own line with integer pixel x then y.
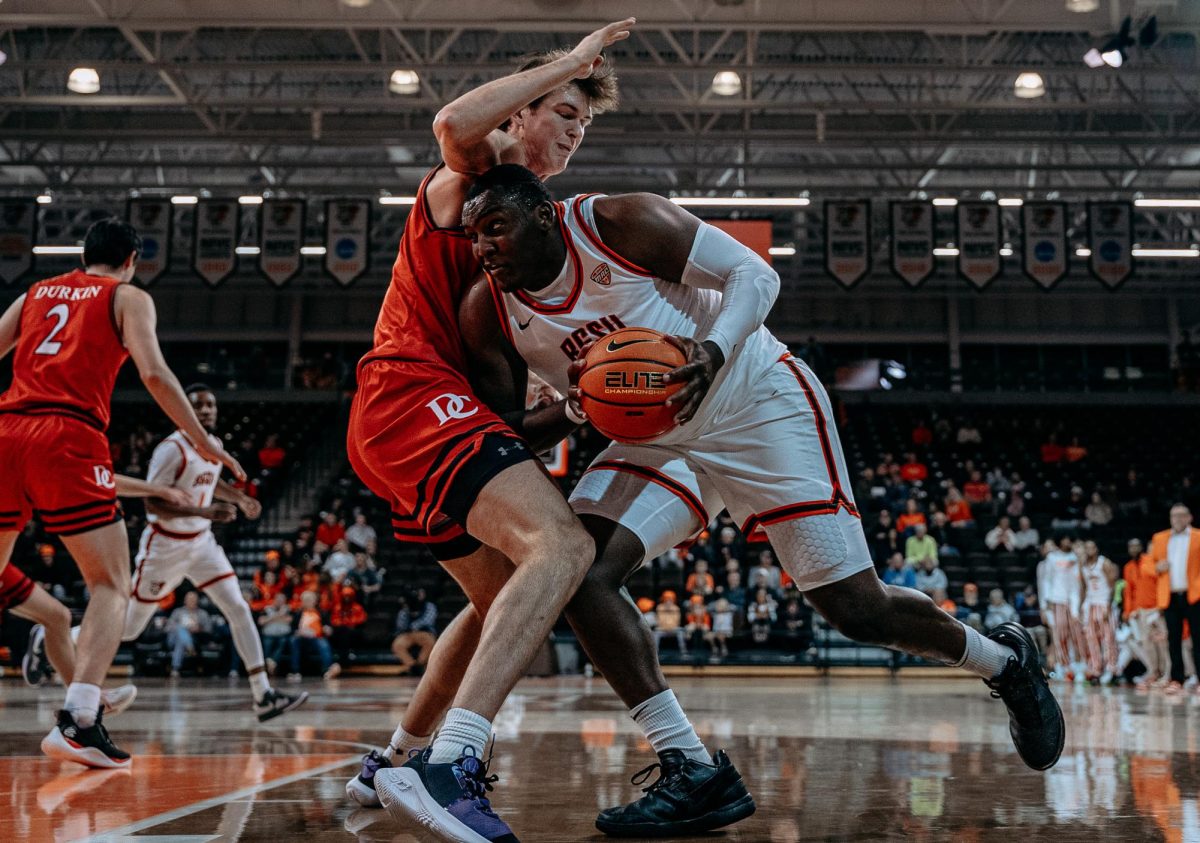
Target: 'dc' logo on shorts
{"type": "Point", "coordinates": [104, 477]}
{"type": "Point", "coordinates": [450, 406]}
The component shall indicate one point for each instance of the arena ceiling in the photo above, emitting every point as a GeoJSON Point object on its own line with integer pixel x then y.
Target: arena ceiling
{"type": "Point", "coordinates": [839, 97]}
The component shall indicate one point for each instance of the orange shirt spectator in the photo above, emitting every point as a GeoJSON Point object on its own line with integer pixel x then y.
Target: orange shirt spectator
{"type": "Point", "coordinates": [958, 512]}
{"type": "Point", "coordinates": [909, 519]}
{"type": "Point", "coordinates": [330, 530]}
{"type": "Point", "coordinates": [1052, 452]}
{"type": "Point", "coordinates": [1075, 452]}
{"type": "Point", "coordinates": [271, 455]}
{"type": "Point", "coordinates": [698, 615]}
{"type": "Point", "coordinates": [347, 611]}
{"type": "Point", "coordinates": [310, 624]}
{"type": "Point", "coordinates": [977, 491]}
{"type": "Point", "coordinates": [700, 581]}
{"type": "Point", "coordinates": [922, 435]}
{"type": "Point", "coordinates": [914, 470]}
{"type": "Point", "coordinates": [1141, 586]}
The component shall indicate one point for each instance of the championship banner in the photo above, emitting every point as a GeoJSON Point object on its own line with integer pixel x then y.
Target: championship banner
{"type": "Point", "coordinates": [153, 220]}
{"type": "Point", "coordinates": [347, 238]}
{"type": "Point", "coordinates": [1044, 252]}
{"type": "Point", "coordinates": [214, 255]}
{"type": "Point", "coordinates": [978, 242]}
{"type": "Point", "coordinates": [912, 241]}
{"type": "Point", "coordinates": [280, 236]}
{"type": "Point", "coordinates": [1110, 237]}
{"type": "Point", "coordinates": [848, 241]}
{"type": "Point", "coordinates": [18, 228]}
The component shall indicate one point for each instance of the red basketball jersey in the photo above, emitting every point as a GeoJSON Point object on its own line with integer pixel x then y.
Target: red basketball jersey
{"type": "Point", "coordinates": [419, 317]}
{"type": "Point", "coordinates": [68, 350]}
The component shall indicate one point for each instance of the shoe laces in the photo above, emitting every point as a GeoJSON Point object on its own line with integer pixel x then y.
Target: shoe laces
{"type": "Point", "coordinates": [475, 778]}
{"type": "Point", "coordinates": [666, 775]}
{"type": "Point", "coordinates": [1016, 691]}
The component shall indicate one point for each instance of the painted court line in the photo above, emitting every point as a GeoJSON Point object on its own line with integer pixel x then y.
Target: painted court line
{"type": "Point", "coordinates": [216, 801]}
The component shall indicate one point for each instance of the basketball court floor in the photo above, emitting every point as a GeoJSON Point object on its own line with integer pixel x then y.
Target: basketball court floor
{"type": "Point", "coordinates": [841, 759]}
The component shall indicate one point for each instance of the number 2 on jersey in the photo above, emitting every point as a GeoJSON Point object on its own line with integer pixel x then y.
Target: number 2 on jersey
{"type": "Point", "coordinates": [49, 344]}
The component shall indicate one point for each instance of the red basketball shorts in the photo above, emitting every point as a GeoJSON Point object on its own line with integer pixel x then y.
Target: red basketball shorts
{"type": "Point", "coordinates": [15, 587]}
{"type": "Point", "coordinates": [58, 469]}
{"type": "Point", "coordinates": [420, 440]}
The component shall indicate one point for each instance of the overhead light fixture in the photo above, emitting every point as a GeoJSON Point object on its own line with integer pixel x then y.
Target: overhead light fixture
{"type": "Point", "coordinates": [1029, 85]}
{"type": "Point", "coordinates": [404, 82]}
{"type": "Point", "coordinates": [782, 251]}
{"type": "Point", "coordinates": [1083, 6]}
{"type": "Point", "coordinates": [947, 252]}
{"type": "Point", "coordinates": [945, 201]}
{"type": "Point", "coordinates": [727, 83]}
{"type": "Point", "coordinates": [84, 80]}
{"type": "Point", "coordinates": [58, 250]}
{"type": "Point", "coordinates": [356, 4]}
{"type": "Point", "coordinates": [1192, 252]}
{"type": "Point", "coordinates": [3, 57]}
{"type": "Point", "coordinates": [184, 200]}
{"type": "Point", "coordinates": [397, 200]}
{"type": "Point", "coordinates": [740, 201]}
{"type": "Point", "coordinates": [1167, 203]}
{"type": "Point", "coordinates": [1093, 59]}
{"type": "Point", "coordinates": [312, 250]}
{"type": "Point", "coordinates": [1083, 252]}
{"type": "Point", "coordinates": [1006, 251]}
{"type": "Point", "coordinates": [45, 199]}
{"type": "Point", "coordinates": [1113, 58]}
{"type": "Point", "coordinates": [247, 250]}
{"type": "Point", "coordinates": [1012, 202]}
{"type": "Point", "coordinates": [250, 200]}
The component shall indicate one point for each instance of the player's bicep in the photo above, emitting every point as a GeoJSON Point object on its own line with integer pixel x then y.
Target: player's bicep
{"type": "Point", "coordinates": [165, 464]}
{"type": "Point", "coordinates": [497, 374]}
{"type": "Point", "coordinates": [138, 321]}
{"type": "Point", "coordinates": [10, 326]}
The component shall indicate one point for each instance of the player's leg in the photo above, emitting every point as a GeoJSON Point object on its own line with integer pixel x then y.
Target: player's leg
{"type": "Point", "coordinates": [55, 635]}
{"type": "Point", "coordinates": [1094, 640]}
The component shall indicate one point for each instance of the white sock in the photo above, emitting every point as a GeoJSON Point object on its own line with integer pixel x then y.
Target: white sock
{"type": "Point", "coordinates": [259, 683]}
{"type": "Point", "coordinates": [983, 656]}
{"type": "Point", "coordinates": [667, 727]}
{"type": "Point", "coordinates": [83, 703]}
{"type": "Point", "coordinates": [403, 741]}
{"type": "Point", "coordinates": [461, 730]}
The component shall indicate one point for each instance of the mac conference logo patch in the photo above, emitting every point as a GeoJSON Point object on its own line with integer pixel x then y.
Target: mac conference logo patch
{"type": "Point", "coordinates": [602, 275]}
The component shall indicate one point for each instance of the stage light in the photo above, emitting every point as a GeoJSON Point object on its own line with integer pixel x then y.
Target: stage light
{"type": "Point", "coordinates": [404, 82]}
{"type": "Point", "coordinates": [945, 201]}
{"type": "Point", "coordinates": [1013, 202]}
{"type": "Point", "coordinates": [184, 200]}
{"type": "Point", "coordinates": [250, 200]}
{"type": "Point", "coordinates": [1167, 203]}
{"type": "Point", "coordinates": [727, 84]}
{"type": "Point", "coordinates": [1083, 6]}
{"type": "Point", "coordinates": [83, 80]}
{"type": "Point", "coordinates": [1029, 85]}
{"type": "Point", "coordinates": [782, 251]}
{"type": "Point", "coordinates": [397, 200]}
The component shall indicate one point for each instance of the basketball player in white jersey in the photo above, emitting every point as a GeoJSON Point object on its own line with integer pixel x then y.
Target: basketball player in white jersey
{"type": "Point", "coordinates": [1100, 626]}
{"type": "Point", "coordinates": [1060, 590]}
{"type": "Point", "coordinates": [178, 542]}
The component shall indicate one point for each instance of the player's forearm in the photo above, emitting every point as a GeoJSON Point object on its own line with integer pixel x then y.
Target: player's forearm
{"type": "Point", "coordinates": [225, 492]}
{"type": "Point", "coordinates": [543, 428]}
{"type": "Point", "coordinates": [160, 509]}
{"type": "Point", "coordinates": [165, 389]}
{"type": "Point", "coordinates": [133, 487]}
{"type": "Point", "coordinates": [467, 121]}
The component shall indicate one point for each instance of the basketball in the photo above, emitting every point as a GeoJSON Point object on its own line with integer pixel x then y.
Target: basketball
{"type": "Point", "coordinates": [622, 387]}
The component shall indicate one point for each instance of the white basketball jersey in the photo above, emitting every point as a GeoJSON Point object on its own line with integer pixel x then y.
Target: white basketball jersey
{"type": "Point", "coordinates": [176, 463]}
{"type": "Point", "coordinates": [1099, 592]}
{"type": "Point", "coordinates": [1062, 578]}
{"type": "Point", "coordinates": [598, 292]}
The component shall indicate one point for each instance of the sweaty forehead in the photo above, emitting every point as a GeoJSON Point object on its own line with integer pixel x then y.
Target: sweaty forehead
{"type": "Point", "coordinates": [570, 95]}
{"type": "Point", "coordinates": [485, 203]}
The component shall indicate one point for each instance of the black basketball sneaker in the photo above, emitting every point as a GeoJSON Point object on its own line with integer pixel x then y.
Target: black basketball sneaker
{"type": "Point", "coordinates": [1035, 720]}
{"type": "Point", "coordinates": [90, 746]}
{"type": "Point", "coordinates": [687, 798]}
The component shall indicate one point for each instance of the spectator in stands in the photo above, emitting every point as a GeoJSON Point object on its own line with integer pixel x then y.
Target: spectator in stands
{"type": "Point", "coordinates": [698, 622]}
{"type": "Point", "coordinates": [767, 572]}
{"type": "Point", "coordinates": [947, 541]}
{"type": "Point", "coordinates": [943, 601]}
{"type": "Point", "coordinates": [968, 434]}
{"type": "Point", "coordinates": [1052, 452]}
{"type": "Point", "coordinates": [1075, 451]}
{"type": "Point", "coordinates": [360, 533]}
{"type": "Point", "coordinates": [700, 581]}
{"type": "Point", "coordinates": [267, 586]}
{"type": "Point", "coordinates": [271, 455]}
{"type": "Point", "coordinates": [977, 492]}
{"type": "Point", "coordinates": [670, 622]}
{"type": "Point", "coordinates": [416, 626]}
{"type": "Point", "coordinates": [185, 630]}
{"type": "Point", "coordinates": [913, 470]}
{"type": "Point", "coordinates": [900, 572]}
{"type": "Point", "coordinates": [1098, 513]}
{"type": "Point", "coordinates": [920, 546]}
{"type": "Point", "coordinates": [367, 581]}
{"type": "Point", "coordinates": [1175, 557]}
{"type": "Point", "coordinates": [345, 619]}
{"type": "Point", "coordinates": [734, 592]}
{"type": "Point", "coordinates": [1132, 495]}
{"type": "Point", "coordinates": [1025, 539]}
{"type": "Point", "coordinates": [931, 578]}
{"type": "Point", "coordinates": [883, 537]}
{"type": "Point", "coordinates": [761, 616]}
{"type": "Point", "coordinates": [997, 482]}
{"type": "Point", "coordinates": [646, 607]}
{"type": "Point", "coordinates": [54, 576]}
{"type": "Point", "coordinates": [865, 491]}
{"type": "Point", "coordinates": [910, 518]}
{"type": "Point", "coordinates": [999, 611]}
{"type": "Point", "coordinates": [958, 511]}
{"type": "Point", "coordinates": [795, 618]}
{"type": "Point", "coordinates": [1033, 618]}
{"type": "Point", "coordinates": [1140, 608]}
{"type": "Point", "coordinates": [730, 544]}
{"type": "Point", "coordinates": [887, 464]}
{"type": "Point", "coordinates": [1016, 496]}
{"type": "Point", "coordinates": [922, 435]}
{"type": "Point", "coordinates": [340, 562]}
{"type": "Point", "coordinates": [330, 529]}
{"type": "Point", "coordinates": [971, 611]}
{"type": "Point", "coordinates": [1071, 514]}
{"type": "Point", "coordinates": [723, 619]}
{"type": "Point", "coordinates": [1001, 538]}
{"type": "Point", "coordinates": [276, 626]}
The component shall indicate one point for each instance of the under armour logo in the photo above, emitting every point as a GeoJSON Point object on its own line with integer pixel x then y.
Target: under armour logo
{"type": "Point", "coordinates": [104, 477]}
{"type": "Point", "coordinates": [450, 406]}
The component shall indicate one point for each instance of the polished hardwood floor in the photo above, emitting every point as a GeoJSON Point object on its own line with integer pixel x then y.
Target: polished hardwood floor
{"type": "Point", "coordinates": [838, 759]}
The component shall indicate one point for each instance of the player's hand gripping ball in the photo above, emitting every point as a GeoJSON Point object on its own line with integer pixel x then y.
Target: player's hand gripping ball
{"type": "Point", "coordinates": [622, 390]}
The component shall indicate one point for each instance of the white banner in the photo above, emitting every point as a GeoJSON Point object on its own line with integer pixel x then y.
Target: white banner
{"type": "Point", "coordinates": [18, 228]}
{"type": "Point", "coordinates": [347, 238]}
{"type": "Point", "coordinates": [848, 241]}
{"type": "Point", "coordinates": [978, 242]}
{"type": "Point", "coordinates": [1044, 252]}
{"type": "Point", "coordinates": [153, 220]}
{"type": "Point", "coordinates": [280, 236]}
{"type": "Point", "coordinates": [214, 250]}
{"type": "Point", "coordinates": [912, 241]}
{"type": "Point", "coordinates": [1110, 237]}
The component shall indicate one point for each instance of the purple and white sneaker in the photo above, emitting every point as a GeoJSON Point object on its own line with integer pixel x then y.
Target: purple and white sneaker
{"type": "Point", "coordinates": [449, 800]}
{"type": "Point", "coordinates": [361, 788]}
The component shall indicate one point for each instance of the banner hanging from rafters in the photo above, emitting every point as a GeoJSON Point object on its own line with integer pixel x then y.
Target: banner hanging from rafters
{"type": "Point", "coordinates": [153, 220]}
{"type": "Point", "coordinates": [1110, 237]}
{"type": "Point", "coordinates": [217, 227]}
{"type": "Point", "coordinates": [280, 236]}
{"type": "Point", "coordinates": [347, 239]}
{"type": "Point", "coordinates": [1044, 242]}
{"type": "Point", "coordinates": [848, 241]}
{"type": "Point", "coordinates": [912, 241]}
{"type": "Point", "coordinates": [978, 242]}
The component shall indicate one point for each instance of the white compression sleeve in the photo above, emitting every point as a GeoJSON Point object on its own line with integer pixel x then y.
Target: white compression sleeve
{"type": "Point", "coordinates": [747, 283]}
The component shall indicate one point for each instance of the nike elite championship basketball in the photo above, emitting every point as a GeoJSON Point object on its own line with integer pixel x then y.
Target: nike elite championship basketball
{"type": "Point", "coordinates": [622, 386]}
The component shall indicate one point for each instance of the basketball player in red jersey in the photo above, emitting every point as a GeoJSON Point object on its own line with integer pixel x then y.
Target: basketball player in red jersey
{"type": "Point", "coordinates": [72, 334]}
{"type": "Point", "coordinates": [457, 477]}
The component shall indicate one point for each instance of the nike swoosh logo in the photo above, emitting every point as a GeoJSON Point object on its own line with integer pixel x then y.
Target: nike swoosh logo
{"type": "Point", "coordinates": [526, 325]}
{"type": "Point", "coordinates": [613, 345]}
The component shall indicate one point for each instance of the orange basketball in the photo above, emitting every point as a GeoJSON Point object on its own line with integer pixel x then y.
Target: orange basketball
{"type": "Point", "coordinates": [622, 385]}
